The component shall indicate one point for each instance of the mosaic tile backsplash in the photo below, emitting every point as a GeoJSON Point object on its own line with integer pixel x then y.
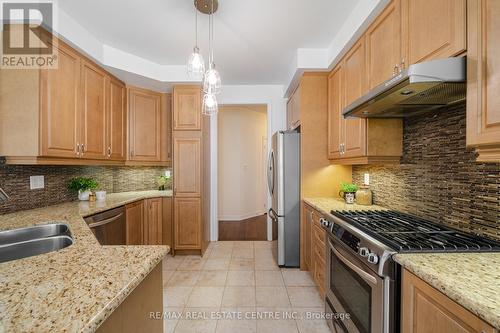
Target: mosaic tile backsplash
{"type": "Point", "coordinates": [15, 180]}
{"type": "Point", "coordinates": [438, 177]}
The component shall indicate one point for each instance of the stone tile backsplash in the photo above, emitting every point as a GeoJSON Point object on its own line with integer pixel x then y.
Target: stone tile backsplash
{"type": "Point", "coordinates": [14, 179]}
{"type": "Point", "coordinates": [438, 177]}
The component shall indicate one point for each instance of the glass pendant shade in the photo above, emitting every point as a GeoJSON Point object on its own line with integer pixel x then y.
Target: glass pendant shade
{"type": "Point", "coordinates": [212, 82]}
{"type": "Point", "coordinates": [196, 65]}
{"type": "Point", "coordinates": [209, 106]}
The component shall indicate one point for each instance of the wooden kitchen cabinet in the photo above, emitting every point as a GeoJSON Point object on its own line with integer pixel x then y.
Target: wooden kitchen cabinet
{"type": "Point", "coordinates": [187, 163]}
{"type": "Point", "coordinates": [306, 234]}
{"type": "Point", "coordinates": [187, 223]}
{"type": "Point", "coordinates": [153, 221]}
{"type": "Point", "coordinates": [70, 115]}
{"type": "Point", "coordinates": [144, 125]}
{"type": "Point", "coordinates": [187, 108]}
{"type": "Point", "coordinates": [433, 29]}
{"type": "Point", "coordinates": [383, 45]}
{"type": "Point", "coordinates": [135, 223]}
{"type": "Point", "coordinates": [116, 138]}
{"type": "Point", "coordinates": [93, 113]}
{"type": "Point", "coordinates": [335, 106]}
{"type": "Point", "coordinates": [483, 70]}
{"type": "Point", "coordinates": [293, 109]}
{"type": "Point", "coordinates": [167, 227]}
{"type": "Point", "coordinates": [59, 106]}
{"type": "Point", "coordinates": [427, 310]}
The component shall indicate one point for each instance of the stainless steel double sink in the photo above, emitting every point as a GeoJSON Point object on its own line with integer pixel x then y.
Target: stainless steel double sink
{"type": "Point", "coordinates": [32, 241]}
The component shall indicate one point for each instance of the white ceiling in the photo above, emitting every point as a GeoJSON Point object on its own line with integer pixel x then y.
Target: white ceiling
{"type": "Point", "coordinates": [256, 41]}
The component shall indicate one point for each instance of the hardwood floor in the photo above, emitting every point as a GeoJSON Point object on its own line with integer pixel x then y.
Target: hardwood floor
{"type": "Point", "coordinates": [252, 229]}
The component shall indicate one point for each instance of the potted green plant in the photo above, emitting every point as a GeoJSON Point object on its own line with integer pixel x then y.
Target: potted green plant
{"type": "Point", "coordinates": [83, 185]}
{"type": "Point", "coordinates": [348, 192]}
{"type": "Point", "coordinates": [162, 182]}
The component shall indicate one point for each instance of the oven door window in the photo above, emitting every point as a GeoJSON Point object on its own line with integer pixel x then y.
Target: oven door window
{"type": "Point", "coordinates": [353, 293]}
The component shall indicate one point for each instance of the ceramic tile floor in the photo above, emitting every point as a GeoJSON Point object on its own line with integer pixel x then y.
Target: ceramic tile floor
{"type": "Point", "coordinates": [238, 287]}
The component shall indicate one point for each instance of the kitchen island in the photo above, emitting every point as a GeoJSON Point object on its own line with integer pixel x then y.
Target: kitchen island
{"type": "Point", "coordinates": [77, 288]}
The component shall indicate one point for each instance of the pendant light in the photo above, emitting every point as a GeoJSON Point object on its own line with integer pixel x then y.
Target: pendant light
{"type": "Point", "coordinates": [196, 63]}
{"type": "Point", "coordinates": [209, 105]}
{"type": "Point", "coordinates": [212, 81]}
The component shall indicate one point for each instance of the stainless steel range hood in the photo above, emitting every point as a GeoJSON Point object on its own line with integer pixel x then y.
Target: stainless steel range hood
{"type": "Point", "coordinates": [417, 89]}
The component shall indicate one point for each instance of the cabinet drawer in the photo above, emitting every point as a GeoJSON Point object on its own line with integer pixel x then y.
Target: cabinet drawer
{"type": "Point", "coordinates": [319, 235]}
{"type": "Point", "coordinates": [319, 276]}
{"type": "Point", "coordinates": [319, 253]}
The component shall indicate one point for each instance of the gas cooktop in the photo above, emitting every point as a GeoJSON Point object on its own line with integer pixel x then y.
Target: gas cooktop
{"type": "Point", "coordinates": [407, 233]}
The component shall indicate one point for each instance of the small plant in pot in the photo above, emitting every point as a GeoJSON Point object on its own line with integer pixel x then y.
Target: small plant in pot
{"type": "Point", "coordinates": [348, 192]}
{"type": "Point", "coordinates": [84, 186]}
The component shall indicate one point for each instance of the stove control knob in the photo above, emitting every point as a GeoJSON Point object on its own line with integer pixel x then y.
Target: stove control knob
{"type": "Point", "coordinates": [373, 258]}
{"type": "Point", "coordinates": [363, 251]}
{"type": "Point", "coordinates": [325, 223]}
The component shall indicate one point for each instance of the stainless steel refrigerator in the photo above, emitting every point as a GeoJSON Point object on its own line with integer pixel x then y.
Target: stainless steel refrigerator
{"type": "Point", "coordinates": [283, 176]}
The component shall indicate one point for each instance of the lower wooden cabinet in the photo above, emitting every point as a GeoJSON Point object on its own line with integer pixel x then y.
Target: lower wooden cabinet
{"type": "Point", "coordinates": [134, 223]}
{"type": "Point", "coordinates": [427, 310]}
{"type": "Point", "coordinates": [167, 228]}
{"type": "Point", "coordinates": [153, 221]}
{"type": "Point", "coordinates": [314, 246]}
{"type": "Point", "coordinates": [187, 223]}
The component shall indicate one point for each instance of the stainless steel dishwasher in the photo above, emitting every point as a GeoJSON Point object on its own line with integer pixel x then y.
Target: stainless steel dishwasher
{"type": "Point", "coordinates": [109, 226]}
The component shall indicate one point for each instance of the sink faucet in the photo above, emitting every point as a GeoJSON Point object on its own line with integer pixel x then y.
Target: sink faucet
{"type": "Point", "coordinates": [3, 195]}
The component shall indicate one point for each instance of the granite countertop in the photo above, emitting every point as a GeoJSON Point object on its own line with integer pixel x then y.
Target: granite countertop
{"type": "Point", "coordinates": [77, 288]}
{"type": "Point", "coordinates": [325, 205]}
{"type": "Point", "coordinates": [470, 279]}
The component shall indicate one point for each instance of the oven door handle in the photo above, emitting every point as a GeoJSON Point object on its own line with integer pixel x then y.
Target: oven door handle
{"type": "Point", "coordinates": [365, 276]}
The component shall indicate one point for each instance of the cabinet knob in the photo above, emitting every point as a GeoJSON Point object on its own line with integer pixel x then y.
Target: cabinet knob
{"type": "Point", "coordinates": [109, 152]}
{"type": "Point", "coordinates": [77, 149]}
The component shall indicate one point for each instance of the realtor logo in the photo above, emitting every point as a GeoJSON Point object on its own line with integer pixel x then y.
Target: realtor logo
{"type": "Point", "coordinates": [26, 38]}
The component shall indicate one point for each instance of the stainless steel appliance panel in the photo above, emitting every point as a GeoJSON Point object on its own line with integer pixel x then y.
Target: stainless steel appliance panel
{"type": "Point", "coordinates": [109, 227]}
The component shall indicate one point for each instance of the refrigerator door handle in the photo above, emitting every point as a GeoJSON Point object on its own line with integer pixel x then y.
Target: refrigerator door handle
{"type": "Point", "coordinates": [272, 215]}
{"type": "Point", "coordinates": [270, 173]}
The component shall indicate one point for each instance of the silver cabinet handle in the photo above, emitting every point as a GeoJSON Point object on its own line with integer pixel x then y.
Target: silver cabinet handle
{"type": "Point", "coordinates": [403, 65]}
{"type": "Point", "coordinates": [395, 71]}
{"type": "Point", "coordinates": [109, 152]}
{"type": "Point", "coordinates": [77, 149]}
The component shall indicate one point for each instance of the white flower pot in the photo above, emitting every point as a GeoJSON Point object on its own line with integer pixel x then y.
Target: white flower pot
{"type": "Point", "coordinates": [83, 195]}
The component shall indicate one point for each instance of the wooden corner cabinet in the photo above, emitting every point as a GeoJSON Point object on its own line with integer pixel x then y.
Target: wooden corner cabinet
{"type": "Point", "coordinates": [69, 115]}
{"type": "Point", "coordinates": [483, 69]}
{"type": "Point", "coordinates": [425, 309]}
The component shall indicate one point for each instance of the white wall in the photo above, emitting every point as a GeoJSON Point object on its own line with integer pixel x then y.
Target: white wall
{"type": "Point", "coordinates": [272, 97]}
{"type": "Point", "coordinates": [242, 131]}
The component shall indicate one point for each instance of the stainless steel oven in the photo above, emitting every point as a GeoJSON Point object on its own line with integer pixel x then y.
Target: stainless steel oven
{"type": "Point", "coordinates": [360, 295]}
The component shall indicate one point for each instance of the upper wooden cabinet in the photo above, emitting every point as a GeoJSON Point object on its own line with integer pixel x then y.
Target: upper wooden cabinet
{"type": "Point", "coordinates": [144, 125]}
{"type": "Point", "coordinates": [293, 109]}
{"type": "Point", "coordinates": [187, 108]}
{"type": "Point", "coordinates": [483, 70]}
{"type": "Point", "coordinates": [73, 114]}
{"type": "Point", "coordinates": [116, 147]}
{"type": "Point", "coordinates": [433, 29]}
{"type": "Point", "coordinates": [427, 310]}
{"type": "Point", "coordinates": [335, 106]}
{"type": "Point", "coordinates": [60, 96]}
{"type": "Point", "coordinates": [383, 45]}
{"type": "Point", "coordinates": [187, 163]}
{"type": "Point", "coordinates": [93, 116]}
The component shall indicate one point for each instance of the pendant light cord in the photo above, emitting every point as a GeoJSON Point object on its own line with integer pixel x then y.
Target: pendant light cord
{"type": "Point", "coordinates": [211, 34]}
{"type": "Point", "coordinates": [196, 24]}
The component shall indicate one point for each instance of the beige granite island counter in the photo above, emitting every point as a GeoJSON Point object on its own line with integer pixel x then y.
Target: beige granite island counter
{"type": "Point", "coordinates": [77, 288]}
{"type": "Point", "coordinates": [325, 205]}
{"type": "Point", "coordinates": [470, 279]}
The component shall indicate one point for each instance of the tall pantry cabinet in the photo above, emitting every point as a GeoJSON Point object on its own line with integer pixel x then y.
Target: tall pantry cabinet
{"type": "Point", "coordinates": [190, 194]}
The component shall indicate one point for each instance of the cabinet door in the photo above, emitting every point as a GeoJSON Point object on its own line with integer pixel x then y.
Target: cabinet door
{"type": "Point", "coordinates": [187, 163]}
{"type": "Point", "coordinates": [116, 121]}
{"type": "Point", "coordinates": [433, 29]}
{"type": "Point", "coordinates": [335, 106]}
{"type": "Point", "coordinates": [294, 105]}
{"type": "Point", "coordinates": [153, 221]}
{"type": "Point", "coordinates": [144, 122]}
{"type": "Point", "coordinates": [187, 223]}
{"type": "Point", "coordinates": [483, 70]}
{"type": "Point", "coordinates": [166, 127]}
{"type": "Point", "coordinates": [187, 108]}
{"type": "Point", "coordinates": [354, 130]}
{"type": "Point", "coordinates": [426, 310]}
{"type": "Point", "coordinates": [135, 223]}
{"type": "Point", "coordinates": [93, 116]}
{"type": "Point", "coordinates": [60, 102]}
{"type": "Point", "coordinates": [383, 45]}
{"type": "Point", "coordinates": [307, 236]}
{"type": "Point", "coordinates": [289, 112]}
{"type": "Point", "coordinates": [167, 228]}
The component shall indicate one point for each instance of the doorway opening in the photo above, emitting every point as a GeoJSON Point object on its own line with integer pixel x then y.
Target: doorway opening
{"type": "Point", "coordinates": [241, 166]}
